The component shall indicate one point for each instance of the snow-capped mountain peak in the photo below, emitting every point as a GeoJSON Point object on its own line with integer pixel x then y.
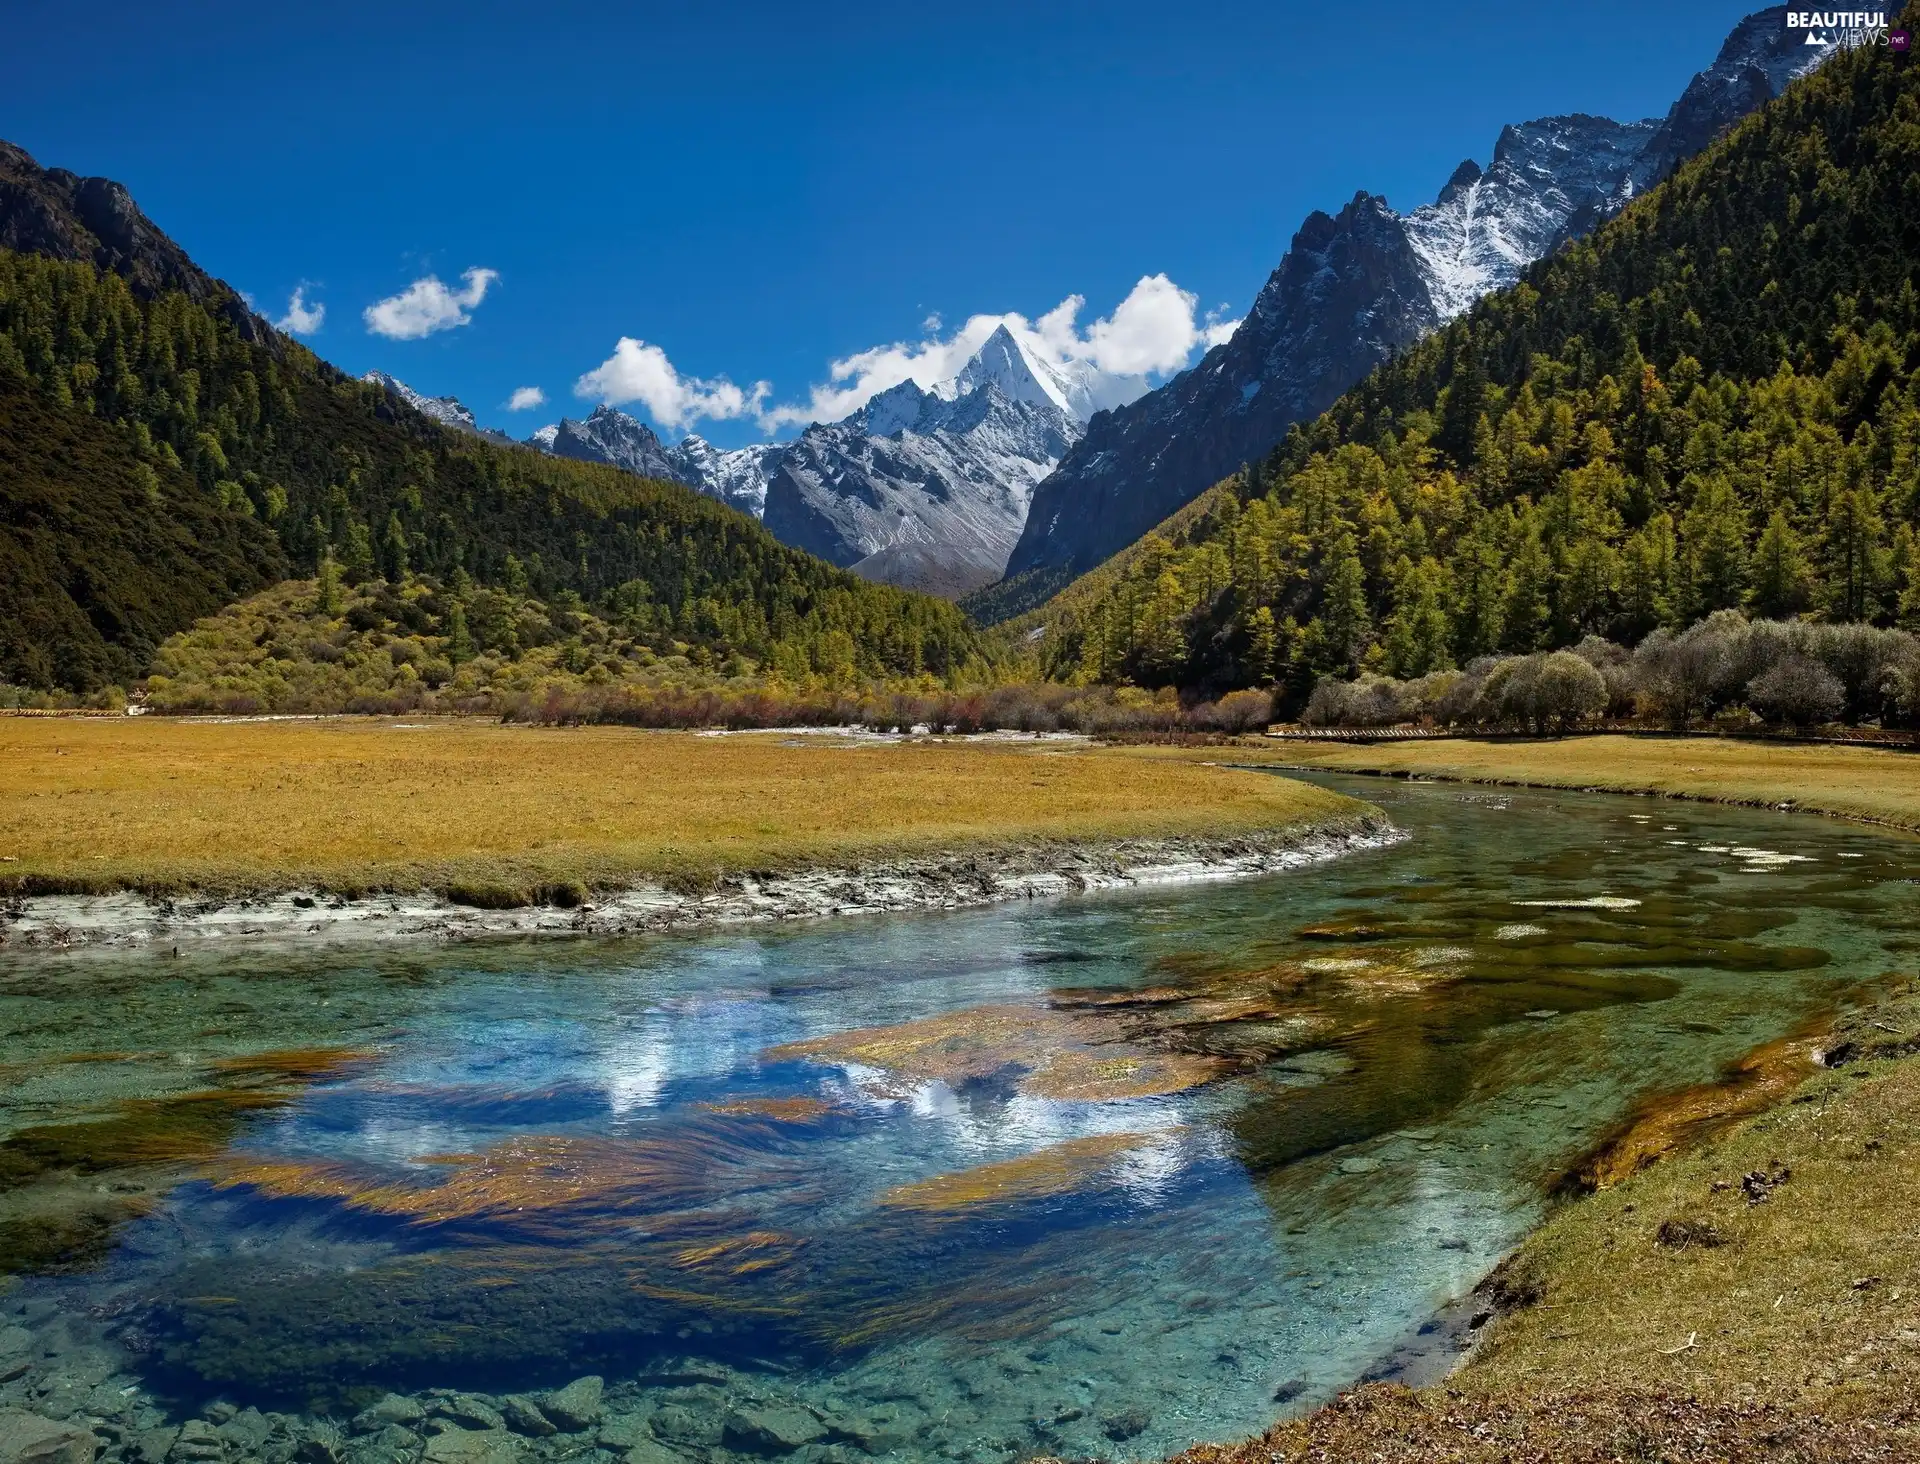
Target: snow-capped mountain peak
{"type": "Point", "coordinates": [1003, 362]}
{"type": "Point", "coordinates": [1078, 388]}
{"type": "Point", "coordinates": [1360, 286]}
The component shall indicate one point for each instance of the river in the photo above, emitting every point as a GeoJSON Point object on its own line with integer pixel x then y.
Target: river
{"type": "Point", "coordinates": [1101, 1176]}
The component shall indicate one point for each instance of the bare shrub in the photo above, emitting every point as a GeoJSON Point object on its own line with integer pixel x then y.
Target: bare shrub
{"type": "Point", "coordinates": [1798, 691]}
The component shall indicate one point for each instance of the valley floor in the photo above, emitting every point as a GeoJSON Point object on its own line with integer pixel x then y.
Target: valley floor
{"type": "Point", "coordinates": [1756, 1294]}
{"type": "Point", "coordinates": [125, 828]}
{"type": "Point", "coordinates": [1865, 784]}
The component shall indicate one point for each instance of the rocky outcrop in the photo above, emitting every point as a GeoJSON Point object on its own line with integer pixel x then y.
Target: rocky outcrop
{"type": "Point", "coordinates": [95, 220]}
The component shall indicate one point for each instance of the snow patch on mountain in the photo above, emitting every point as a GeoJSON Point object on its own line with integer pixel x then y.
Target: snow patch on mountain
{"type": "Point", "coordinates": [1549, 180]}
{"type": "Point", "coordinates": [447, 411]}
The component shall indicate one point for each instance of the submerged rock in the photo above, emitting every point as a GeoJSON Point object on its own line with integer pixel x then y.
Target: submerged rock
{"type": "Point", "coordinates": [678, 1424]}
{"type": "Point", "coordinates": [28, 1438]}
{"type": "Point", "coordinates": [198, 1440]}
{"type": "Point", "coordinates": [523, 1416]}
{"type": "Point", "coordinates": [394, 1408]}
{"type": "Point", "coordinates": [472, 1446]}
{"type": "Point", "coordinates": [576, 1406]}
{"type": "Point", "coordinates": [1126, 1423]}
{"type": "Point", "coordinates": [623, 1431]}
{"type": "Point", "coordinates": [777, 1430]}
{"type": "Point", "coordinates": [469, 1411]}
{"type": "Point", "coordinates": [647, 1451]}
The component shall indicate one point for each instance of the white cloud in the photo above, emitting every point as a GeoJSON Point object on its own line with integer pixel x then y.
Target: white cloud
{"type": "Point", "coordinates": [639, 372]}
{"type": "Point", "coordinates": [525, 398]}
{"type": "Point", "coordinates": [426, 306]}
{"type": "Point", "coordinates": [302, 318]}
{"type": "Point", "coordinates": [1151, 332]}
{"type": "Point", "coordinates": [1219, 330]}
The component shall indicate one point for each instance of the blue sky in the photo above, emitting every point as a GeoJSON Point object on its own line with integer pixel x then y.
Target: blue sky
{"type": "Point", "coordinates": [755, 191]}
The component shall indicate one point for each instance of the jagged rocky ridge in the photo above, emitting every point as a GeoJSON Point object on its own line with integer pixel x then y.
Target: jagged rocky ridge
{"type": "Point", "coordinates": [1358, 287]}
{"type": "Point", "coordinates": [447, 411]}
{"type": "Point", "coordinates": [608, 435]}
{"type": "Point", "coordinates": [929, 488]}
{"type": "Point", "coordinates": [923, 487]}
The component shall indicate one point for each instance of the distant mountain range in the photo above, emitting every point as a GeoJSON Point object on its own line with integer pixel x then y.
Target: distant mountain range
{"type": "Point", "coordinates": [926, 488]}
{"type": "Point", "coordinates": [1362, 285]}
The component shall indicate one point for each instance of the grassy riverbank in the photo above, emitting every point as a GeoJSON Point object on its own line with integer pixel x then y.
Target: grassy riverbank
{"type": "Point", "coordinates": [359, 804]}
{"type": "Point", "coordinates": [1872, 785]}
{"type": "Point", "coordinates": [1754, 1295]}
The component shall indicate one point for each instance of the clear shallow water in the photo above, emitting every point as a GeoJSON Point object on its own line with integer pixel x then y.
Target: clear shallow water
{"type": "Point", "coordinates": [1102, 1176]}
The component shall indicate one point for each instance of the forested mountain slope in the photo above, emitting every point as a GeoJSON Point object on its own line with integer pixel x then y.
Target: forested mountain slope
{"type": "Point", "coordinates": [1359, 287]}
{"type": "Point", "coordinates": [154, 422]}
{"type": "Point", "coordinates": [1713, 401]}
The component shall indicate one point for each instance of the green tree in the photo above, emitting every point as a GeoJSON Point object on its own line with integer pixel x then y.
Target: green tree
{"type": "Point", "coordinates": [1855, 557]}
{"type": "Point", "coordinates": [1344, 623]}
{"type": "Point", "coordinates": [1419, 632]}
{"type": "Point", "coordinates": [1160, 635]}
{"type": "Point", "coordinates": [328, 598]}
{"type": "Point", "coordinates": [1528, 611]}
{"type": "Point", "coordinates": [1713, 537]}
{"type": "Point", "coordinates": [459, 638]}
{"type": "Point", "coordinates": [1782, 579]}
{"type": "Point", "coordinates": [1263, 644]}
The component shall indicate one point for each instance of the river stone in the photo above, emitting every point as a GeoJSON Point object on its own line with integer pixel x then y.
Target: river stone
{"type": "Point", "coordinates": [576, 1406]}
{"type": "Point", "coordinates": [1126, 1423]}
{"type": "Point", "coordinates": [247, 1431]}
{"type": "Point", "coordinates": [394, 1408]}
{"type": "Point", "coordinates": [198, 1440]}
{"type": "Point", "coordinates": [1359, 1164]}
{"type": "Point", "coordinates": [27, 1438]}
{"type": "Point", "coordinates": [472, 1446]}
{"type": "Point", "coordinates": [776, 1430]}
{"type": "Point", "coordinates": [623, 1431]}
{"type": "Point", "coordinates": [322, 1448]}
{"type": "Point", "coordinates": [469, 1411]}
{"type": "Point", "coordinates": [678, 1424]}
{"type": "Point", "coordinates": [152, 1445]}
{"type": "Point", "coordinates": [523, 1416]}
{"type": "Point", "coordinates": [650, 1451]}
{"type": "Point", "coordinates": [379, 1449]}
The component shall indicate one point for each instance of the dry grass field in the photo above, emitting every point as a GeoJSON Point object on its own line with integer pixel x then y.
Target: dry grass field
{"type": "Point", "coordinates": [354, 804]}
{"type": "Point", "coordinates": [1873, 785]}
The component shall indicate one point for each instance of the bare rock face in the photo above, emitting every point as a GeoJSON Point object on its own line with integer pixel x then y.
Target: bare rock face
{"type": "Point", "coordinates": [1348, 294]}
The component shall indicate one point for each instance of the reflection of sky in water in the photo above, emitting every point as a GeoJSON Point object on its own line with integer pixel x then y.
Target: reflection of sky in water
{"type": "Point", "coordinates": [1529, 964]}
